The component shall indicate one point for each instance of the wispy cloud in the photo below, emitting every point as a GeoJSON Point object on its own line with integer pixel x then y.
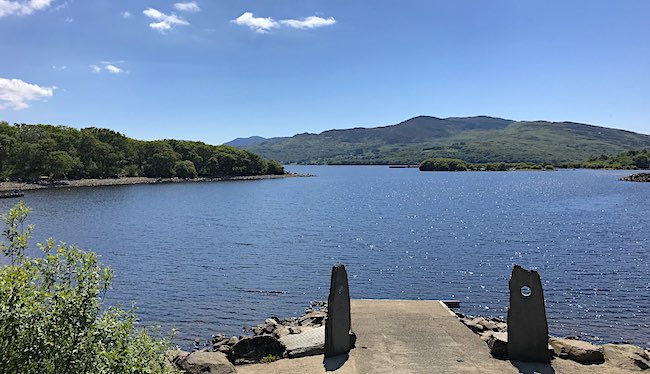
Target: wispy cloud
{"type": "Point", "coordinates": [63, 5]}
{"type": "Point", "coordinates": [311, 22]}
{"type": "Point", "coordinates": [59, 68]}
{"type": "Point", "coordinates": [16, 94]}
{"type": "Point", "coordinates": [191, 6]}
{"type": "Point", "coordinates": [113, 69]}
{"type": "Point", "coordinates": [257, 24]}
{"type": "Point", "coordinates": [126, 14]}
{"type": "Point", "coordinates": [22, 7]}
{"type": "Point", "coordinates": [108, 66]}
{"type": "Point", "coordinates": [67, 19]}
{"type": "Point", "coordinates": [165, 21]}
{"type": "Point", "coordinates": [264, 25]}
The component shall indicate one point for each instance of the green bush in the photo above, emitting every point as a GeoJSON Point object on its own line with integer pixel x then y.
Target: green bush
{"type": "Point", "coordinates": [51, 317]}
{"type": "Point", "coordinates": [185, 169]}
{"type": "Point", "coordinates": [443, 164]}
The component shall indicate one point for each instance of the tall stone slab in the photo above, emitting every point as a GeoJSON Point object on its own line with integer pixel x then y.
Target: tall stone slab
{"type": "Point", "coordinates": [527, 325]}
{"type": "Point", "coordinates": [338, 338]}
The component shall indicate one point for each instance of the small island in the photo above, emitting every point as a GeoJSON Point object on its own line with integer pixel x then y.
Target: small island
{"type": "Point", "coordinates": [454, 164]}
{"type": "Point", "coordinates": [639, 177]}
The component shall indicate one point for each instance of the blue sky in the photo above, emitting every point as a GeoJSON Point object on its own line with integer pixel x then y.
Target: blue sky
{"type": "Point", "coordinates": [218, 69]}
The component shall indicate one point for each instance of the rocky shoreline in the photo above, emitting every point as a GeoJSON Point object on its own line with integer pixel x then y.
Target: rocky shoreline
{"type": "Point", "coordinates": [270, 341]}
{"type": "Point", "coordinates": [494, 332]}
{"type": "Point", "coordinates": [276, 339]}
{"type": "Point", "coordinates": [640, 177]}
{"type": "Point", "coordinates": [25, 186]}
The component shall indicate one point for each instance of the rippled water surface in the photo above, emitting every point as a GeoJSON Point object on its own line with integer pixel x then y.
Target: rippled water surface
{"type": "Point", "coordinates": [211, 257]}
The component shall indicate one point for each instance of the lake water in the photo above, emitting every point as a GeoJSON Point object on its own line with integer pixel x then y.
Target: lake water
{"type": "Point", "coordinates": [211, 257]}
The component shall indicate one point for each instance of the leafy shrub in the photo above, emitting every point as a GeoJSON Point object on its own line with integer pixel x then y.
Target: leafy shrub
{"type": "Point", "coordinates": [51, 317]}
{"type": "Point", "coordinates": [443, 164]}
{"type": "Point", "coordinates": [185, 169]}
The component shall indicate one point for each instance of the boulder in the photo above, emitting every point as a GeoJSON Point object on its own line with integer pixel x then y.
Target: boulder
{"type": "Point", "coordinates": [308, 343]}
{"type": "Point", "coordinates": [486, 335]}
{"type": "Point", "coordinates": [486, 324]}
{"type": "Point", "coordinates": [627, 356]}
{"type": "Point", "coordinates": [175, 355]}
{"type": "Point", "coordinates": [206, 363]}
{"type": "Point", "coordinates": [282, 331]}
{"type": "Point", "coordinates": [472, 325]}
{"type": "Point", "coordinates": [578, 351]}
{"type": "Point", "coordinates": [312, 318]}
{"type": "Point", "coordinates": [253, 349]}
{"type": "Point", "coordinates": [498, 343]}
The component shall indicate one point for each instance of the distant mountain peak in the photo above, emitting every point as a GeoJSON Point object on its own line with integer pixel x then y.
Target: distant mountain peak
{"type": "Point", "coordinates": [245, 142]}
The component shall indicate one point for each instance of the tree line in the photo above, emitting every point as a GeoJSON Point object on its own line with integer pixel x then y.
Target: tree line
{"type": "Point", "coordinates": [31, 152]}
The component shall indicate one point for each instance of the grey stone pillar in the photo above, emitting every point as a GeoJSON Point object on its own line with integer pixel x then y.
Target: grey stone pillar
{"type": "Point", "coordinates": [527, 325]}
{"type": "Point", "coordinates": [338, 338]}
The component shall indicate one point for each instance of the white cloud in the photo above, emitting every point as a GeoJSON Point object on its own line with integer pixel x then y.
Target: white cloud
{"type": "Point", "coordinates": [259, 25]}
{"type": "Point", "coordinates": [126, 14]}
{"type": "Point", "coordinates": [15, 93]}
{"type": "Point", "coordinates": [69, 19]}
{"type": "Point", "coordinates": [113, 69]}
{"type": "Point", "coordinates": [165, 21]}
{"type": "Point", "coordinates": [191, 6]}
{"type": "Point", "coordinates": [309, 22]}
{"type": "Point", "coordinates": [109, 66]}
{"type": "Point", "coordinates": [264, 25]}
{"type": "Point", "coordinates": [59, 68]}
{"type": "Point", "coordinates": [22, 7]}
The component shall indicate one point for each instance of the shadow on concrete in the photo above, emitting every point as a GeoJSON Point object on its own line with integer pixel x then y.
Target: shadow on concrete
{"type": "Point", "coordinates": [335, 362]}
{"type": "Point", "coordinates": [532, 367]}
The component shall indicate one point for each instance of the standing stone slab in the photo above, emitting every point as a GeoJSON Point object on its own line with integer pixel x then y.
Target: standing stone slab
{"type": "Point", "coordinates": [338, 338]}
{"type": "Point", "coordinates": [527, 325]}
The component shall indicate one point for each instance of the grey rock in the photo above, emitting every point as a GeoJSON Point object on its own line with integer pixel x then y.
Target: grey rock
{"type": "Point", "coordinates": [282, 331]}
{"type": "Point", "coordinates": [498, 343]}
{"type": "Point", "coordinates": [232, 341]}
{"type": "Point", "coordinates": [253, 349]}
{"type": "Point", "coordinates": [475, 327]}
{"type": "Point", "coordinates": [175, 355]}
{"type": "Point", "coordinates": [578, 351]}
{"type": "Point", "coordinates": [338, 337]}
{"type": "Point", "coordinates": [627, 356]}
{"type": "Point", "coordinates": [487, 324]}
{"type": "Point", "coordinates": [223, 349]}
{"type": "Point", "coordinates": [308, 343]}
{"type": "Point", "coordinates": [206, 363]}
{"type": "Point", "coordinates": [312, 318]}
{"type": "Point", "coordinates": [527, 324]}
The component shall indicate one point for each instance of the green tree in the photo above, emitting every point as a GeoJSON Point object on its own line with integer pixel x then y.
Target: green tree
{"type": "Point", "coordinates": [642, 162]}
{"type": "Point", "coordinates": [61, 163]}
{"type": "Point", "coordinates": [443, 164]}
{"type": "Point", "coordinates": [51, 317]}
{"type": "Point", "coordinates": [185, 169]}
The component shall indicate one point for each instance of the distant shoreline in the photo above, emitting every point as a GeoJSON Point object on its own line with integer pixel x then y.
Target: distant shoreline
{"type": "Point", "coordinates": [123, 181]}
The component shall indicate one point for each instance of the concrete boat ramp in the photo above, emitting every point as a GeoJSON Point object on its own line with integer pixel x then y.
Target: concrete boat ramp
{"type": "Point", "coordinates": [414, 336]}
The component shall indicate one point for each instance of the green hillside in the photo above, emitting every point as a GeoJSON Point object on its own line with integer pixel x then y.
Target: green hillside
{"type": "Point", "coordinates": [473, 139]}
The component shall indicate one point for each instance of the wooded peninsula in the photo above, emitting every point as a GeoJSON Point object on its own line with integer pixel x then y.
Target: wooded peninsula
{"type": "Point", "coordinates": [32, 152]}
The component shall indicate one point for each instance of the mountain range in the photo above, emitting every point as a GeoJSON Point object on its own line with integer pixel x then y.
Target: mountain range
{"type": "Point", "coordinates": [478, 139]}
